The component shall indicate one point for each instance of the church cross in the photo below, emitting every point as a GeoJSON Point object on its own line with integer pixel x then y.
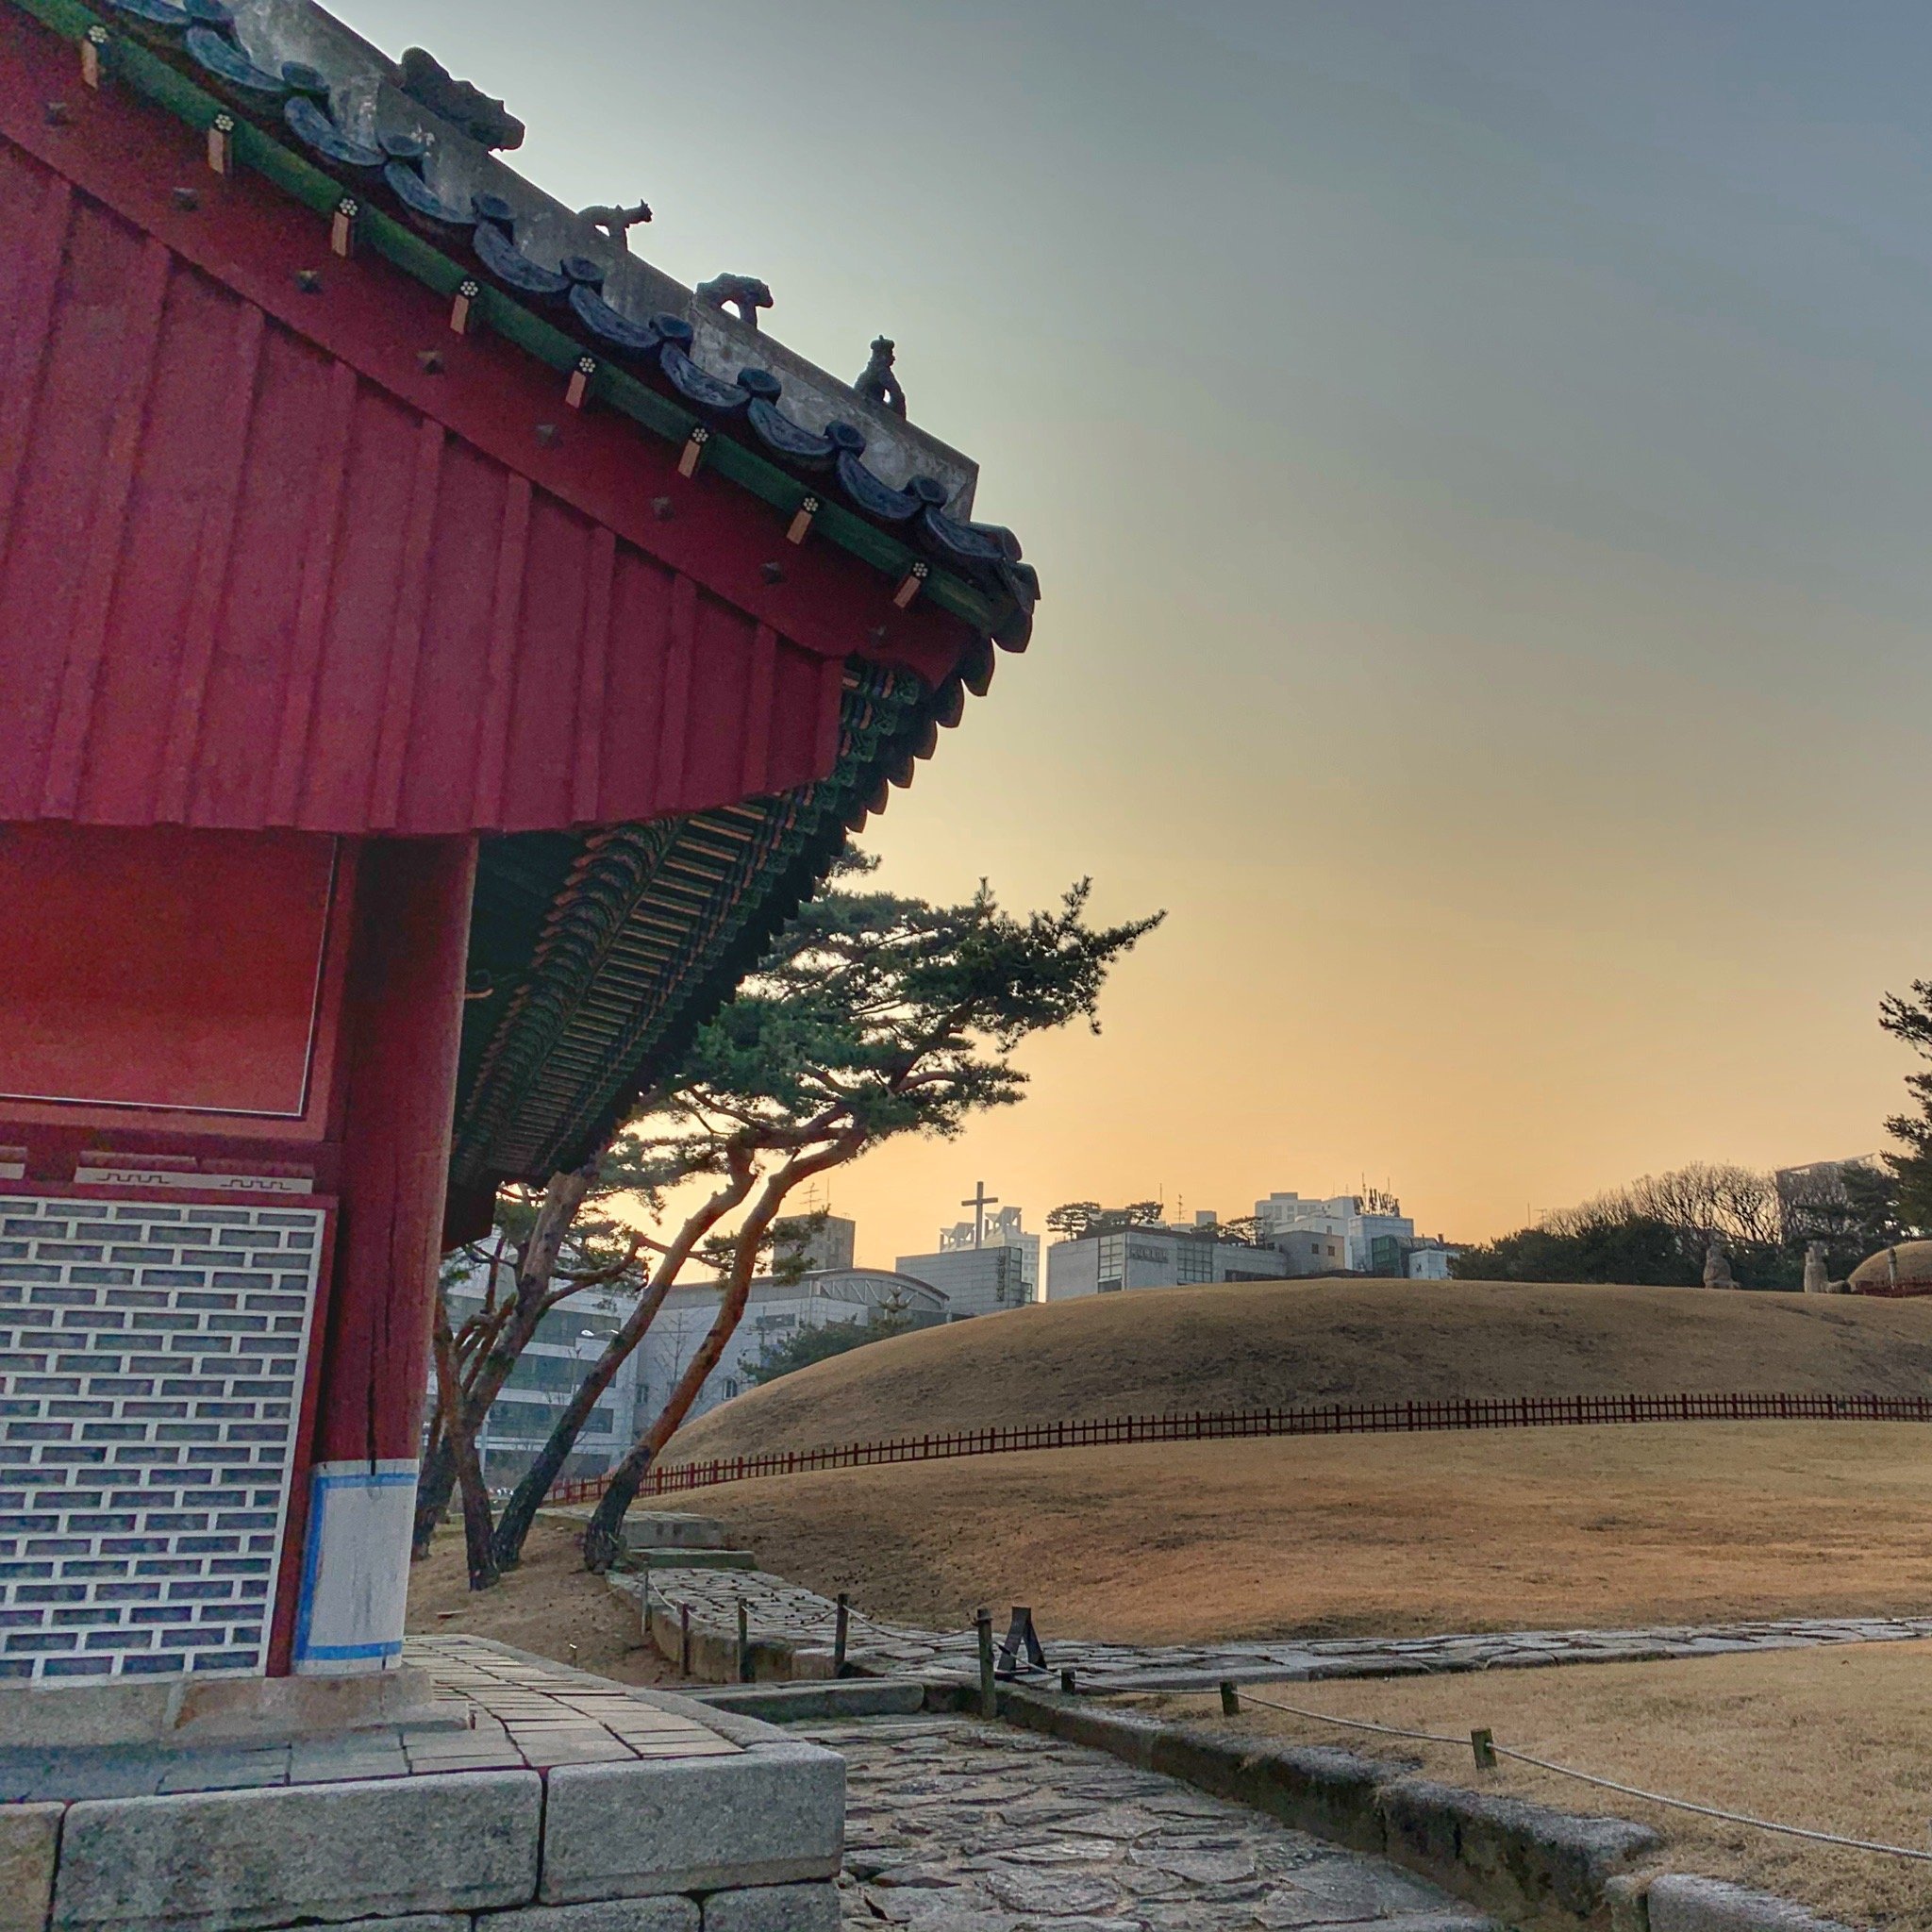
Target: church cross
{"type": "Point", "coordinates": [979, 1200]}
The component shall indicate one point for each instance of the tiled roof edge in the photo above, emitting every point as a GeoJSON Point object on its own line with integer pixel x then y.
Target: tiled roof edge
{"type": "Point", "coordinates": [167, 88]}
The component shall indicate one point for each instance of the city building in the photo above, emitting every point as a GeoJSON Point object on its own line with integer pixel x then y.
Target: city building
{"type": "Point", "coordinates": [984, 1264]}
{"type": "Point", "coordinates": [974, 1281]}
{"type": "Point", "coordinates": [831, 1243]}
{"type": "Point", "coordinates": [1154, 1255]}
{"type": "Point", "coordinates": [774, 1312]}
{"type": "Point", "coordinates": [1001, 1230]}
{"type": "Point", "coordinates": [568, 1340]}
{"type": "Point", "coordinates": [1374, 1231]}
{"type": "Point", "coordinates": [1311, 1251]}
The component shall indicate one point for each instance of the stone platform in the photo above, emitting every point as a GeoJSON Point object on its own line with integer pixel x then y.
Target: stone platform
{"type": "Point", "coordinates": [560, 1802]}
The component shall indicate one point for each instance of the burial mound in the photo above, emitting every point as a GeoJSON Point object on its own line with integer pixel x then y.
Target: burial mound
{"type": "Point", "coordinates": [1261, 1344]}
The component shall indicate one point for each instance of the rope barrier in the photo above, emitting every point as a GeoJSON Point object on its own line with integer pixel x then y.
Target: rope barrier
{"type": "Point", "coordinates": [1607, 1784]}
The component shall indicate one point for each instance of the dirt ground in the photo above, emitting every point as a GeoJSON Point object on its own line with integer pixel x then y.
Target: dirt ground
{"type": "Point", "coordinates": [550, 1604]}
{"type": "Point", "coordinates": [1831, 1739]}
{"type": "Point", "coordinates": [1396, 1535]}
{"type": "Point", "coordinates": [1257, 1345]}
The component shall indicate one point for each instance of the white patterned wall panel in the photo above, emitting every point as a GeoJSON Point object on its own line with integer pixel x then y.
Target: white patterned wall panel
{"type": "Point", "coordinates": [151, 1364]}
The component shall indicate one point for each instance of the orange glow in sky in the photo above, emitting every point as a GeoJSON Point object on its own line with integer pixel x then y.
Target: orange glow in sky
{"type": "Point", "coordinates": [1478, 456]}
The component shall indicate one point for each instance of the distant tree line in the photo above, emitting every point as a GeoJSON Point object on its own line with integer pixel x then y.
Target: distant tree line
{"type": "Point", "coordinates": [1656, 1230]}
{"type": "Point", "coordinates": [1076, 1221]}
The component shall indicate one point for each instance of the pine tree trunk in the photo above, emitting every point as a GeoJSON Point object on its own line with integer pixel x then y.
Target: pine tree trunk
{"type": "Point", "coordinates": [603, 1539]}
{"type": "Point", "coordinates": [477, 1527]}
{"type": "Point", "coordinates": [433, 1493]}
{"type": "Point", "coordinates": [520, 1511]}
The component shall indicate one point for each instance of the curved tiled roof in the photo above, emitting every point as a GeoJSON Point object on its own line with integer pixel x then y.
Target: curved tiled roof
{"type": "Point", "coordinates": [425, 195]}
{"type": "Point", "coordinates": [596, 951]}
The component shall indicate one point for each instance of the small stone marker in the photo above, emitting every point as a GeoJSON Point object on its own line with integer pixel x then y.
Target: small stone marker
{"type": "Point", "coordinates": [1230, 1701]}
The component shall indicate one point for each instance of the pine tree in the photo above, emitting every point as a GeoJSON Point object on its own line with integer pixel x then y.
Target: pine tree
{"type": "Point", "coordinates": [1907, 1017]}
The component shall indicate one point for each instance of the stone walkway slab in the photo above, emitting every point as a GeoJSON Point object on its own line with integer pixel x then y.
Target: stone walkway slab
{"type": "Point", "coordinates": [956, 1826]}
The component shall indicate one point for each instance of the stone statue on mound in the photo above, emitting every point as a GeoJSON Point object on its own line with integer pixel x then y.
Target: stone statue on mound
{"type": "Point", "coordinates": [1817, 1275]}
{"type": "Point", "coordinates": [1717, 1269]}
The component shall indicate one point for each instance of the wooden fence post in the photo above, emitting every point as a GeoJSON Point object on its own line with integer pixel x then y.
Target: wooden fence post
{"type": "Point", "coordinates": [988, 1696]}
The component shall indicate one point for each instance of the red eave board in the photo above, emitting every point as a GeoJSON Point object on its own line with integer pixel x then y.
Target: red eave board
{"type": "Point", "coordinates": [260, 567]}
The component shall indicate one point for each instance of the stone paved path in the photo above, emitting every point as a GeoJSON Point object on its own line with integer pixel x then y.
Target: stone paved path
{"type": "Point", "coordinates": [953, 1827]}
{"type": "Point", "coordinates": [783, 1611]}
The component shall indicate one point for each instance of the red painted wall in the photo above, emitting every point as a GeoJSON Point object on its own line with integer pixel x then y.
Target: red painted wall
{"type": "Point", "coordinates": [175, 970]}
{"type": "Point", "coordinates": [257, 568]}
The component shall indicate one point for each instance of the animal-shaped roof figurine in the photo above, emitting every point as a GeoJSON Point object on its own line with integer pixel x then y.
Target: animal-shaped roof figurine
{"type": "Point", "coordinates": [617, 222]}
{"type": "Point", "coordinates": [746, 293]}
{"type": "Point", "coordinates": [485, 119]}
{"type": "Point", "coordinates": [877, 383]}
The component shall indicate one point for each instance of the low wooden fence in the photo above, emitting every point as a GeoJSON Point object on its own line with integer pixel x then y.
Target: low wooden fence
{"type": "Point", "coordinates": [1499, 1413]}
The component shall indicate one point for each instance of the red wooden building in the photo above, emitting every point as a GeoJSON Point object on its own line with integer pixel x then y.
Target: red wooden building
{"type": "Point", "coordinates": [435, 653]}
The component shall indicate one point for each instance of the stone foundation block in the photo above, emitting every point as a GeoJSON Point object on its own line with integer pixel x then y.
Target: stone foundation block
{"type": "Point", "coordinates": [768, 1816]}
{"type": "Point", "coordinates": [411, 1921]}
{"type": "Point", "coordinates": [669, 1914]}
{"type": "Point", "coordinates": [774, 1908]}
{"type": "Point", "coordinates": [820, 1703]}
{"type": "Point", "coordinates": [1682, 1904]}
{"type": "Point", "coordinates": [235, 1861]}
{"type": "Point", "coordinates": [1629, 1902]}
{"type": "Point", "coordinates": [670, 1529]}
{"type": "Point", "coordinates": [1525, 1862]}
{"type": "Point", "coordinates": [29, 1840]}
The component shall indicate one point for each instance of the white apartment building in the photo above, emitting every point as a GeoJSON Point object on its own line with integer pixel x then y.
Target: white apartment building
{"type": "Point", "coordinates": [1373, 1227]}
{"type": "Point", "coordinates": [568, 1340]}
{"type": "Point", "coordinates": [1157, 1255]}
{"type": "Point", "coordinates": [774, 1312]}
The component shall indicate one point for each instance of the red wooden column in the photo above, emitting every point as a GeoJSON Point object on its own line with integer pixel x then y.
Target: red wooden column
{"type": "Point", "coordinates": [342, 1602]}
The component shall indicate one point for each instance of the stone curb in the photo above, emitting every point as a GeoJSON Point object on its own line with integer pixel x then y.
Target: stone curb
{"type": "Point", "coordinates": [1535, 1867]}
{"type": "Point", "coordinates": [1678, 1903]}
{"type": "Point", "coordinates": [816, 1703]}
{"type": "Point", "coordinates": [1541, 1870]}
{"type": "Point", "coordinates": [715, 1651]}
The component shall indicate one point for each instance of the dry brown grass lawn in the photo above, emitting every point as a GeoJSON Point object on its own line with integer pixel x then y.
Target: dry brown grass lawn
{"type": "Point", "coordinates": [1834, 1739]}
{"type": "Point", "coordinates": [1259, 1344]}
{"type": "Point", "coordinates": [550, 1606]}
{"type": "Point", "coordinates": [1371, 1534]}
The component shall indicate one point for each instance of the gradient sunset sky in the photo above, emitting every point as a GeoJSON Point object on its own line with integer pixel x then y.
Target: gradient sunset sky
{"type": "Point", "coordinates": [1479, 457]}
